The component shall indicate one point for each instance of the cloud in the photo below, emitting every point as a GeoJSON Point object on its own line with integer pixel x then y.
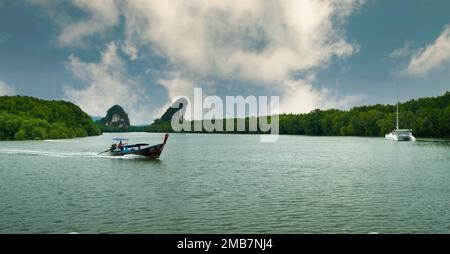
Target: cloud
{"type": "Point", "coordinates": [265, 42]}
{"type": "Point", "coordinates": [130, 50]}
{"type": "Point", "coordinates": [404, 51]}
{"type": "Point", "coordinates": [255, 40]}
{"type": "Point", "coordinates": [432, 57]}
{"type": "Point", "coordinates": [179, 87]}
{"type": "Point", "coordinates": [108, 84]}
{"type": "Point", "coordinates": [300, 96]}
{"type": "Point", "coordinates": [96, 18]}
{"type": "Point", "coordinates": [250, 40]}
{"type": "Point", "coordinates": [6, 89]}
{"type": "Point", "coordinates": [102, 14]}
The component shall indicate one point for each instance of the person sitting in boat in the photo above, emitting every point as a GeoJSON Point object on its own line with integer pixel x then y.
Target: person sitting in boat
{"type": "Point", "coordinates": [120, 145]}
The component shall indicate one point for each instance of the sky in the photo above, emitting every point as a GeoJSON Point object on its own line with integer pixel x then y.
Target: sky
{"type": "Point", "coordinates": [141, 54]}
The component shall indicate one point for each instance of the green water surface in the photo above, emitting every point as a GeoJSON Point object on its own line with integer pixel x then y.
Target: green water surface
{"type": "Point", "coordinates": [214, 183]}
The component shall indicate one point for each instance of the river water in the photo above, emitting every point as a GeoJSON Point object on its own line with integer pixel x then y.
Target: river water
{"type": "Point", "coordinates": [214, 183]}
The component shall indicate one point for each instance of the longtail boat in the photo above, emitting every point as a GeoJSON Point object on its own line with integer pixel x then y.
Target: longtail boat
{"type": "Point", "coordinates": [120, 147]}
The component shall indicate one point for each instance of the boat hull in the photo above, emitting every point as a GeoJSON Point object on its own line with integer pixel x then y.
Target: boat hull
{"type": "Point", "coordinates": [152, 152]}
{"type": "Point", "coordinates": [400, 137]}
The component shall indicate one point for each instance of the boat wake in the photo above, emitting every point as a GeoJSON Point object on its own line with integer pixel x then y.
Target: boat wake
{"type": "Point", "coordinates": [125, 157]}
{"type": "Point", "coordinates": [67, 154]}
{"type": "Point", "coordinates": [47, 153]}
{"type": "Point", "coordinates": [56, 140]}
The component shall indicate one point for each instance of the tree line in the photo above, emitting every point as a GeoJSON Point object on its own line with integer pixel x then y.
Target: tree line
{"type": "Point", "coordinates": [428, 117]}
{"type": "Point", "coordinates": [28, 118]}
{"type": "Point", "coordinates": [24, 118]}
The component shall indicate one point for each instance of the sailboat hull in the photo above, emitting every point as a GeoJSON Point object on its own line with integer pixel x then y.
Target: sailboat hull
{"type": "Point", "coordinates": [391, 136]}
{"type": "Point", "coordinates": [400, 136]}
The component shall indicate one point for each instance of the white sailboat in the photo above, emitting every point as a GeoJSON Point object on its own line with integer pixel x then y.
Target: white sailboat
{"type": "Point", "coordinates": [400, 134]}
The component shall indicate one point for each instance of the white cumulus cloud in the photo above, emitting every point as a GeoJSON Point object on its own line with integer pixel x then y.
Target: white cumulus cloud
{"type": "Point", "coordinates": [108, 84]}
{"type": "Point", "coordinates": [102, 14]}
{"type": "Point", "coordinates": [300, 96]}
{"type": "Point", "coordinates": [266, 42]}
{"type": "Point", "coordinates": [6, 89]}
{"type": "Point", "coordinates": [251, 40]}
{"type": "Point", "coordinates": [131, 50]}
{"type": "Point", "coordinates": [257, 40]}
{"type": "Point", "coordinates": [432, 57]}
{"type": "Point", "coordinates": [404, 51]}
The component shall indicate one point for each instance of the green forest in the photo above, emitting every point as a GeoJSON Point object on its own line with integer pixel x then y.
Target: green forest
{"type": "Point", "coordinates": [28, 118]}
{"type": "Point", "coordinates": [428, 117]}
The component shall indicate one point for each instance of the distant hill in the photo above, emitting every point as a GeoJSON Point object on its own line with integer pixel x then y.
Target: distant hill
{"type": "Point", "coordinates": [117, 120]}
{"type": "Point", "coordinates": [23, 118]}
{"type": "Point", "coordinates": [163, 124]}
{"type": "Point", "coordinates": [116, 117]}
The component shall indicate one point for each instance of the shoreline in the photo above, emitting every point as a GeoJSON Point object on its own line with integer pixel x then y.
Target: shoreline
{"type": "Point", "coordinates": [425, 139]}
